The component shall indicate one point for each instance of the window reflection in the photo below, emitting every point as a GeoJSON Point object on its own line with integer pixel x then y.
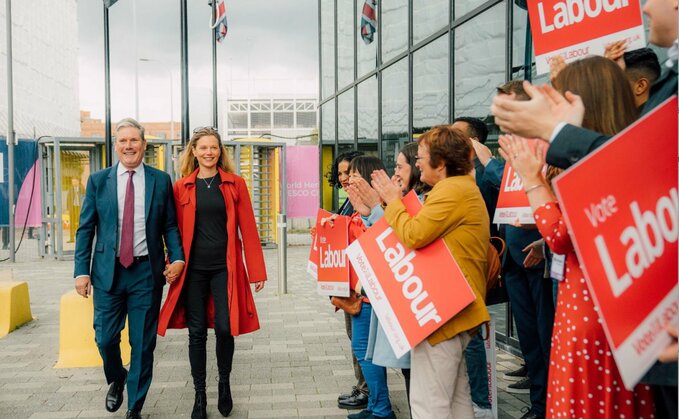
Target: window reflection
{"type": "Point", "coordinates": [366, 54]}
{"type": "Point", "coordinates": [328, 122]}
{"type": "Point", "coordinates": [430, 85]}
{"type": "Point", "coordinates": [428, 17]}
{"type": "Point", "coordinates": [345, 43]}
{"type": "Point", "coordinates": [367, 116]}
{"type": "Point", "coordinates": [394, 111]}
{"type": "Point", "coordinates": [394, 28]}
{"type": "Point", "coordinates": [345, 118]}
{"type": "Point", "coordinates": [328, 47]}
{"type": "Point", "coordinates": [479, 62]}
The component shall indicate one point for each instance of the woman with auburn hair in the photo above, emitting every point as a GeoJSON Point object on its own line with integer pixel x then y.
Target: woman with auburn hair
{"type": "Point", "coordinates": [584, 380]}
{"type": "Point", "coordinates": [213, 207]}
{"type": "Point", "coordinates": [455, 212]}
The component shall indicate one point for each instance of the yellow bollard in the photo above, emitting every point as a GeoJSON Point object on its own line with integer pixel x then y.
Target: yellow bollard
{"type": "Point", "coordinates": [15, 306]}
{"type": "Point", "coordinates": [77, 347]}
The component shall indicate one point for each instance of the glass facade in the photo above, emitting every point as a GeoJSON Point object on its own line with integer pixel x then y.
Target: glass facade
{"type": "Point", "coordinates": [430, 61]}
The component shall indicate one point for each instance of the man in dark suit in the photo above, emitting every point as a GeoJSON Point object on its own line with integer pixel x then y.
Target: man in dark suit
{"type": "Point", "coordinates": [130, 210]}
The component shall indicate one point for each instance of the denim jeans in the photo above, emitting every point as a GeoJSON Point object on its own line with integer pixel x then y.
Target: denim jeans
{"type": "Point", "coordinates": [375, 376]}
{"type": "Point", "coordinates": [475, 357]}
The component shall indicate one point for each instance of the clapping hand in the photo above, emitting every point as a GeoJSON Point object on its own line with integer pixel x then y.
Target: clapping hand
{"type": "Point", "coordinates": [387, 189]}
{"type": "Point", "coordinates": [363, 197]}
{"type": "Point", "coordinates": [527, 163]}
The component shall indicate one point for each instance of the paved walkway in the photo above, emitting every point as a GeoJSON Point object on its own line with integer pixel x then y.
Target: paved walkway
{"type": "Point", "coordinates": [295, 366]}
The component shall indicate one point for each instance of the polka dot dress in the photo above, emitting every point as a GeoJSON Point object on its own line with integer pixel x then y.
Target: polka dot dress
{"type": "Point", "coordinates": [584, 381]}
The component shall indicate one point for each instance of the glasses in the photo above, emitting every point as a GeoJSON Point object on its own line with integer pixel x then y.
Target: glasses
{"type": "Point", "coordinates": [195, 130]}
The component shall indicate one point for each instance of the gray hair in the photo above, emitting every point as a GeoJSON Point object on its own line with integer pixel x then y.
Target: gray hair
{"type": "Point", "coordinates": [130, 123]}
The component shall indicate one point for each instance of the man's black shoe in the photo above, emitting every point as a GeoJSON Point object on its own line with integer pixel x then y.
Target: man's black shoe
{"type": "Point", "coordinates": [354, 392]}
{"type": "Point", "coordinates": [133, 414]}
{"type": "Point", "coordinates": [359, 401]}
{"type": "Point", "coordinates": [224, 399]}
{"type": "Point", "coordinates": [114, 397]}
{"type": "Point", "coordinates": [517, 374]}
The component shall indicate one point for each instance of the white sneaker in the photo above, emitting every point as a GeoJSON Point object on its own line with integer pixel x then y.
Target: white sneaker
{"type": "Point", "coordinates": [480, 413]}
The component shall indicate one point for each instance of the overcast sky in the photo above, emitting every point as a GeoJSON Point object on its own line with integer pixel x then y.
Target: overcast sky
{"type": "Point", "coordinates": [271, 49]}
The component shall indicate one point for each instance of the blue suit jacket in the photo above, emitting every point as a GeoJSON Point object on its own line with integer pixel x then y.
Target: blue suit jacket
{"type": "Point", "coordinates": [99, 218]}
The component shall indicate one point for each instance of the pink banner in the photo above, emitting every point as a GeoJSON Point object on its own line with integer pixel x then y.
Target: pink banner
{"type": "Point", "coordinates": [302, 181]}
{"type": "Point", "coordinates": [29, 201]}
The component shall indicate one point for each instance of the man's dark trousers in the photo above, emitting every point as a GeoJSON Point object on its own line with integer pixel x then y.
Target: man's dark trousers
{"type": "Point", "coordinates": [530, 296]}
{"type": "Point", "coordinates": [134, 292]}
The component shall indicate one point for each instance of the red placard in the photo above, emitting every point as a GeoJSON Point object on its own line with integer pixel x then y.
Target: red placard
{"type": "Point", "coordinates": [312, 265]}
{"type": "Point", "coordinates": [575, 29]}
{"type": "Point", "coordinates": [413, 292]}
{"type": "Point", "coordinates": [512, 203]}
{"type": "Point", "coordinates": [621, 206]}
{"type": "Point", "coordinates": [330, 245]}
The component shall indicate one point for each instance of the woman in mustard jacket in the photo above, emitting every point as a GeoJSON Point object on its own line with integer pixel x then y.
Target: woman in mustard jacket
{"type": "Point", "coordinates": [213, 205]}
{"type": "Point", "coordinates": [455, 212]}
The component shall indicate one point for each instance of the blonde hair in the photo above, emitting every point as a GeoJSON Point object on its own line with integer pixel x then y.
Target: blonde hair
{"type": "Point", "coordinates": [188, 162]}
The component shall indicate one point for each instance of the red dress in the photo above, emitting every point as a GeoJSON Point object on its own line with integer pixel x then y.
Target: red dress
{"type": "Point", "coordinates": [584, 381]}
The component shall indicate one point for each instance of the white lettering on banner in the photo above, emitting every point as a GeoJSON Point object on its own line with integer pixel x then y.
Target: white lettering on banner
{"type": "Point", "coordinates": [642, 249]}
{"type": "Point", "coordinates": [332, 258]}
{"type": "Point", "coordinates": [403, 269]}
{"type": "Point", "coordinates": [513, 183]}
{"type": "Point", "coordinates": [655, 328]}
{"type": "Point", "coordinates": [571, 12]}
{"type": "Point", "coordinates": [599, 212]}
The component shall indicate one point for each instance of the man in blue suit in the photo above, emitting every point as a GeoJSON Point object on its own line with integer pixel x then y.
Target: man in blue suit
{"type": "Point", "coordinates": [130, 210]}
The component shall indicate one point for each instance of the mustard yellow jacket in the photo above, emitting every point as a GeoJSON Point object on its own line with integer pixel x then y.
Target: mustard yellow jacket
{"type": "Point", "coordinates": [453, 210]}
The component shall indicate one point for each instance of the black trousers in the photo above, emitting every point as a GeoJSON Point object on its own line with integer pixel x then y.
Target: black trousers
{"type": "Point", "coordinates": [200, 285]}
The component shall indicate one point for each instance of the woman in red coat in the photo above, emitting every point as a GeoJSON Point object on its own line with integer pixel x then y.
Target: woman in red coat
{"type": "Point", "coordinates": [213, 206]}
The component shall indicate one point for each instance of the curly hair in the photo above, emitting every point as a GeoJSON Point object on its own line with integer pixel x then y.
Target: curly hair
{"type": "Point", "coordinates": [333, 172]}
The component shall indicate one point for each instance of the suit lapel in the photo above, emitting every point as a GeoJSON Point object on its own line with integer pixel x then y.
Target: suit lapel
{"type": "Point", "coordinates": [150, 184]}
{"type": "Point", "coordinates": [111, 192]}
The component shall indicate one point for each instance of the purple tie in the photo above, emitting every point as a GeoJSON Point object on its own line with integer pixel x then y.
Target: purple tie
{"type": "Point", "coordinates": [127, 233]}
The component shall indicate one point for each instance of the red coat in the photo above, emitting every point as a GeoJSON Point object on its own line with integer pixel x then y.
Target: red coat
{"type": "Point", "coordinates": [240, 217]}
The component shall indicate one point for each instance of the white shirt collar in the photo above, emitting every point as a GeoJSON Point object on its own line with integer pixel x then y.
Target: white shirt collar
{"type": "Point", "coordinates": [672, 55]}
{"type": "Point", "coordinates": [123, 170]}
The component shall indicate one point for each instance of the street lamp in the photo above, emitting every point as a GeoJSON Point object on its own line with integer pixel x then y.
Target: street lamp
{"type": "Point", "coordinates": [169, 72]}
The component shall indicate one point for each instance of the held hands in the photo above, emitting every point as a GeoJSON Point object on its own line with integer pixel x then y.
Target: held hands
{"type": "Point", "coordinates": [173, 271]}
{"type": "Point", "coordinates": [526, 163]}
{"type": "Point", "coordinates": [83, 286]}
{"type": "Point", "coordinates": [387, 189]}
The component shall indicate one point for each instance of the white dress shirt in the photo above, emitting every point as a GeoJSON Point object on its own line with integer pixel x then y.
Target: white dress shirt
{"type": "Point", "coordinates": [139, 238]}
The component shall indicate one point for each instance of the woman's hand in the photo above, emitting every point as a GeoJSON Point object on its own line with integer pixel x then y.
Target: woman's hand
{"type": "Point", "coordinates": [669, 354]}
{"type": "Point", "coordinates": [259, 286]}
{"type": "Point", "coordinates": [329, 220]}
{"type": "Point", "coordinates": [556, 64]}
{"type": "Point", "coordinates": [527, 163]}
{"type": "Point", "coordinates": [615, 51]}
{"type": "Point", "coordinates": [357, 201]}
{"type": "Point", "coordinates": [386, 189]}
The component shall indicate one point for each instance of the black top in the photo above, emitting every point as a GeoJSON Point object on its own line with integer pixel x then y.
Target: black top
{"type": "Point", "coordinates": [209, 234]}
